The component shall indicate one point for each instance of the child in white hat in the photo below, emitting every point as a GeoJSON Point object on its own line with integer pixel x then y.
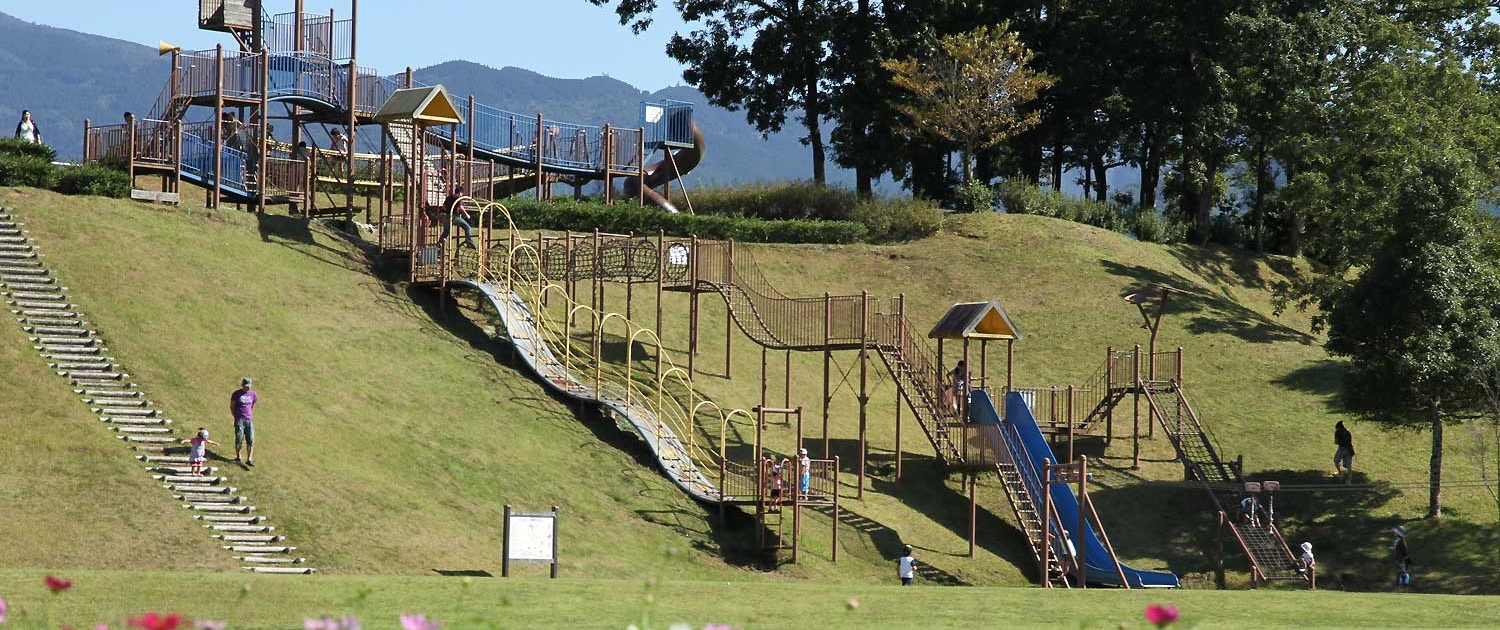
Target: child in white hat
{"type": "Point", "coordinates": [198, 451]}
{"type": "Point", "coordinates": [804, 465]}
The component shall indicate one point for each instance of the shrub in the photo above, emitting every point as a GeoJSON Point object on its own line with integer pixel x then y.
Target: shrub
{"type": "Point", "coordinates": [1150, 226]}
{"type": "Point", "coordinates": [93, 179]}
{"type": "Point", "coordinates": [975, 196]}
{"type": "Point", "coordinates": [796, 200]}
{"type": "Point", "coordinates": [622, 218]}
{"type": "Point", "coordinates": [15, 147]}
{"type": "Point", "coordinates": [1228, 228]}
{"type": "Point", "coordinates": [1018, 198]}
{"type": "Point", "coordinates": [26, 170]}
{"type": "Point", "coordinates": [899, 219]}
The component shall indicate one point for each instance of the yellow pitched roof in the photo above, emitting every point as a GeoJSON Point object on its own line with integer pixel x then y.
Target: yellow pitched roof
{"type": "Point", "coordinates": [424, 105]}
{"type": "Point", "coordinates": [975, 320]}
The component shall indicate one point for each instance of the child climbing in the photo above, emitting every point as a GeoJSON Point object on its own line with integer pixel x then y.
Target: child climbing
{"type": "Point", "coordinates": [1309, 565]}
{"type": "Point", "coordinates": [198, 451]}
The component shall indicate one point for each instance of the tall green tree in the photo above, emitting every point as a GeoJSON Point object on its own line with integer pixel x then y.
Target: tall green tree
{"type": "Point", "coordinates": [767, 57]}
{"type": "Point", "coordinates": [971, 90]}
{"type": "Point", "coordinates": [1422, 317]}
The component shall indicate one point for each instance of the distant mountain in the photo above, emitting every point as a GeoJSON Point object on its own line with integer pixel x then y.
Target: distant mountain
{"type": "Point", "coordinates": [65, 76]}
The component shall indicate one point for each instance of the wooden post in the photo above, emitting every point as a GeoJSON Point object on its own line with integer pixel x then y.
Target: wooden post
{"type": "Point", "coordinates": [763, 376]}
{"type": "Point", "coordinates": [827, 360]}
{"type": "Point", "coordinates": [470, 124]}
{"type": "Point", "coordinates": [1135, 433]}
{"type": "Point", "coordinates": [797, 514]}
{"type": "Point", "coordinates": [836, 470]}
{"type": "Point", "coordinates": [729, 327]}
{"type": "Point", "coordinates": [629, 278]}
{"type": "Point", "coordinates": [1078, 539]}
{"type": "Point", "coordinates": [505, 536]}
{"type": "Point", "coordinates": [692, 306]}
{"type": "Point", "coordinates": [130, 151]}
{"type": "Point", "coordinates": [353, 105]}
{"type": "Point", "coordinates": [1180, 378]}
{"type": "Point", "coordinates": [963, 389]}
{"type": "Point", "coordinates": [1010, 365]}
{"type": "Point", "coordinates": [555, 523]}
{"type": "Point", "coordinates": [213, 191]}
{"type": "Point", "coordinates": [265, 131]}
{"type": "Point", "coordinates": [864, 395]}
{"type": "Point", "coordinates": [973, 512]}
{"type": "Point", "coordinates": [1070, 422]}
{"type": "Point", "coordinates": [760, 479]}
{"type": "Point", "coordinates": [177, 151]}
{"type": "Point", "coordinates": [984, 370]}
{"type": "Point", "coordinates": [900, 336]}
{"type": "Point", "coordinates": [1109, 410]}
{"type": "Point", "coordinates": [640, 171]}
{"type": "Point", "coordinates": [87, 156]}
{"type": "Point", "coordinates": [606, 153]}
{"type": "Point", "coordinates": [541, 148]}
{"type": "Point", "coordinates": [596, 285]}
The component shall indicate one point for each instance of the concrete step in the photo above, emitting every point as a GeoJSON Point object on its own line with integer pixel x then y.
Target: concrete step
{"type": "Point", "coordinates": [270, 560]}
{"type": "Point", "coordinates": [93, 376]}
{"type": "Point", "coordinates": [181, 471]}
{"type": "Point", "coordinates": [210, 499]}
{"type": "Point", "coordinates": [68, 341]}
{"type": "Point", "coordinates": [41, 305]}
{"type": "Point", "coordinates": [282, 570]}
{"type": "Point", "coordinates": [102, 366]}
{"type": "Point", "coordinates": [199, 488]}
{"type": "Point", "coordinates": [189, 478]}
{"type": "Point", "coordinates": [122, 411]}
{"type": "Point", "coordinates": [147, 439]}
{"type": "Point", "coordinates": [135, 422]}
{"type": "Point", "coordinates": [220, 508]}
{"type": "Point", "coordinates": [138, 430]}
{"type": "Point", "coordinates": [60, 331]}
{"type": "Point", "coordinates": [260, 548]}
{"type": "Point", "coordinates": [106, 393]}
{"type": "Point", "coordinates": [230, 519]}
{"type": "Point", "coordinates": [119, 402]}
{"type": "Point", "coordinates": [39, 296]}
{"type": "Point", "coordinates": [249, 538]}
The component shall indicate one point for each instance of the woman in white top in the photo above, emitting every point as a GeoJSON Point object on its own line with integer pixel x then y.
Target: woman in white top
{"type": "Point", "coordinates": [27, 130]}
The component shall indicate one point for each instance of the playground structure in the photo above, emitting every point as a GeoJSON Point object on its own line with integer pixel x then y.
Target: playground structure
{"type": "Point", "coordinates": [430, 143]}
{"type": "Point", "coordinates": [214, 121]}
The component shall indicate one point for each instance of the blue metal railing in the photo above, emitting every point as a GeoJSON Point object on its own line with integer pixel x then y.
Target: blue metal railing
{"type": "Point", "coordinates": [667, 124]}
{"type": "Point", "coordinates": [308, 75]}
{"type": "Point", "coordinates": [198, 159]}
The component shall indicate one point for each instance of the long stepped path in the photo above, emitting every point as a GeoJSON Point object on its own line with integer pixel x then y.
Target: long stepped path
{"type": "Point", "coordinates": [63, 339]}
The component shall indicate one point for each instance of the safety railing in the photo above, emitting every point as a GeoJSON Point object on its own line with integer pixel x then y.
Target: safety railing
{"type": "Point", "coordinates": [980, 445]}
{"type": "Point", "coordinates": [1167, 367]}
{"type": "Point", "coordinates": [822, 481]}
{"type": "Point", "coordinates": [307, 75]}
{"type": "Point", "coordinates": [625, 150]}
{"type": "Point", "coordinates": [283, 176]}
{"type": "Point", "coordinates": [372, 90]}
{"type": "Point", "coordinates": [107, 143]}
{"type": "Point", "coordinates": [156, 142]}
{"type": "Point", "coordinates": [667, 123]}
{"type": "Point", "coordinates": [198, 159]}
{"type": "Point", "coordinates": [571, 146]}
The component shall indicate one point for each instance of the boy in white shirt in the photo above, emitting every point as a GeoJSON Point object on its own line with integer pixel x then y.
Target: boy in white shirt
{"type": "Point", "coordinates": [906, 567]}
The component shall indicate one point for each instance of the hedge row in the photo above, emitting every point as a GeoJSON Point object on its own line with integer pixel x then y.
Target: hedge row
{"type": "Point", "coordinates": [885, 219]}
{"type": "Point", "coordinates": [25, 164]}
{"type": "Point", "coordinates": [621, 218]}
{"type": "Point", "coordinates": [1145, 224]}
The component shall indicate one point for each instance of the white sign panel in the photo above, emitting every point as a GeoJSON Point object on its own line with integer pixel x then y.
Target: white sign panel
{"type": "Point", "coordinates": [654, 113]}
{"type": "Point", "coordinates": [530, 538]}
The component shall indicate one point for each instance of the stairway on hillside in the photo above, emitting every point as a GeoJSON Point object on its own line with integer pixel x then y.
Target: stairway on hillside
{"type": "Point", "coordinates": [62, 337]}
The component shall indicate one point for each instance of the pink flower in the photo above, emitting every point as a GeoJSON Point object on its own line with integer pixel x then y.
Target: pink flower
{"type": "Point", "coordinates": [155, 621]}
{"type": "Point", "coordinates": [56, 584]}
{"type": "Point", "coordinates": [1162, 616]}
{"type": "Point", "coordinates": [419, 622]}
{"type": "Point", "coordinates": [329, 623]}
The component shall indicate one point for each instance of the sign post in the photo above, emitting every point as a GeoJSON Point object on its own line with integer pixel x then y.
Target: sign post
{"type": "Point", "coordinates": [529, 537]}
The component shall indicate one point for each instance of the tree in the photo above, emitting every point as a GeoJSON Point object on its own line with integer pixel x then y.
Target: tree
{"type": "Point", "coordinates": [769, 57]}
{"type": "Point", "coordinates": [971, 90]}
{"type": "Point", "coordinates": [1421, 318]}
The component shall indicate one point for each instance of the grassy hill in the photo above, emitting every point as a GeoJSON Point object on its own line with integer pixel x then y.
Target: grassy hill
{"type": "Point", "coordinates": [393, 432]}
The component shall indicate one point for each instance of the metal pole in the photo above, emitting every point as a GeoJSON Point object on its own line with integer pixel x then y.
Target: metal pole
{"type": "Point", "coordinates": [540, 150]}
{"type": "Point", "coordinates": [661, 270]}
{"type": "Point", "coordinates": [1070, 422]}
{"type": "Point", "coordinates": [554, 541]}
{"type": "Point", "coordinates": [265, 134]}
{"type": "Point", "coordinates": [1109, 410]}
{"type": "Point", "coordinates": [504, 542]}
{"type": "Point", "coordinates": [1010, 363]}
{"type": "Point", "coordinates": [693, 306]}
{"type": "Point", "coordinates": [353, 106]}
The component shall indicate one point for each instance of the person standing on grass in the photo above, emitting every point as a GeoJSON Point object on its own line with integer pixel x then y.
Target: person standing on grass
{"type": "Point", "coordinates": [1309, 566]}
{"type": "Point", "coordinates": [906, 567]}
{"type": "Point", "coordinates": [198, 450]}
{"type": "Point", "coordinates": [1403, 558]}
{"type": "Point", "coordinates": [242, 407]}
{"type": "Point", "coordinates": [27, 130]}
{"type": "Point", "coordinates": [1343, 458]}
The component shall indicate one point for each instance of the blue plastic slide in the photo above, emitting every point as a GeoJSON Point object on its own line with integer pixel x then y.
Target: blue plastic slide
{"type": "Point", "coordinates": [1018, 424]}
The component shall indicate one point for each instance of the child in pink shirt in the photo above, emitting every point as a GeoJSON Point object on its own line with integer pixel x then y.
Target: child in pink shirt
{"type": "Point", "coordinates": [198, 451]}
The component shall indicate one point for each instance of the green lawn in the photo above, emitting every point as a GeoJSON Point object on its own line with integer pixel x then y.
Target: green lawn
{"type": "Point", "coordinates": [394, 432]}
{"type": "Point", "coordinates": [532, 601]}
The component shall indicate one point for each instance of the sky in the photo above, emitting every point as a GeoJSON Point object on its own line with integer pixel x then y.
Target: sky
{"type": "Point", "coordinates": [568, 39]}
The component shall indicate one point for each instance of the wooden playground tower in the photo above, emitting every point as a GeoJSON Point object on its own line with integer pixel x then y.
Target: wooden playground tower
{"type": "Point", "coordinates": [300, 71]}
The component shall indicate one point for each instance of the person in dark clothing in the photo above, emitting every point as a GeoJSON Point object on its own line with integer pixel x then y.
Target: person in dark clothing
{"type": "Point", "coordinates": [27, 130]}
{"type": "Point", "coordinates": [1343, 458]}
{"type": "Point", "coordinates": [1403, 558]}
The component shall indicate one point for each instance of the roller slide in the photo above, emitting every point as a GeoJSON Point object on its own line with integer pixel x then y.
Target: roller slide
{"type": "Point", "coordinates": [669, 169]}
{"type": "Point", "coordinates": [1099, 564]}
{"type": "Point", "coordinates": [520, 325]}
